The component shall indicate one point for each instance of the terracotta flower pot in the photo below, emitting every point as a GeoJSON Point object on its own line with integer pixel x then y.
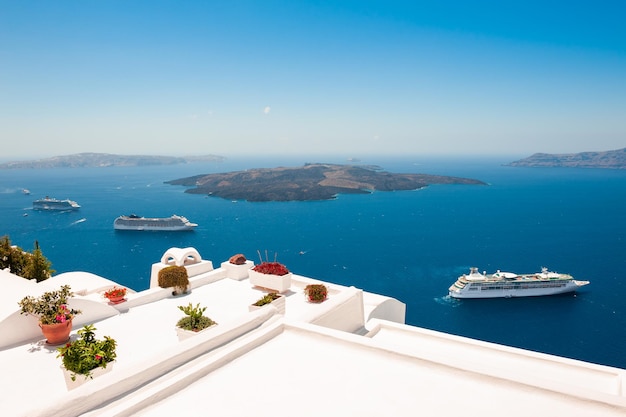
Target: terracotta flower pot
{"type": "Point", "coordinates": [116, 299]}
{"type": "Point", "coordinates": [57, 333]}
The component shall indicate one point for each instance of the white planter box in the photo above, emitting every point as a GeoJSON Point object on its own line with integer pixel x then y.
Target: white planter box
{"type": "Point", "coordinates": [278, 283]}
{"type": "Point", "coordinates": [279, 303]}
{"type": "Point", "coordinates": [81, 379]}
{"type": "Point", "coordinates": [186, 334]}
{"type": "Point", "coordinates": [237, 272]}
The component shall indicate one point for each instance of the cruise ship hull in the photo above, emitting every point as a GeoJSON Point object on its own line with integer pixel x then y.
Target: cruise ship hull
{"type": "Point", "coordinates": [167, 224]}
{"type": "Point", "coordinates": [54, 204]}
{"type": "Point", "coordinates": [148, 228]}
{"type": "Point", "coordinates": [508, 285]}
{"type": "Point", "coordinates": [509, 293]}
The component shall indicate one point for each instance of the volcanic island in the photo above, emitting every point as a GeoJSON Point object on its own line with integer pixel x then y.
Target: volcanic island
{"type": "Point", "coordinates": [314, 181]}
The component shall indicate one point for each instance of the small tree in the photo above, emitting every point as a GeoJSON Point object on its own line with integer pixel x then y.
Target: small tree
{"type": "Point", "coordinates": [12, 257]}
{"type": "Point", "coordinates": [5, 252]}
{"type": "Point", "coordinates": [38, 267]}
{"type": "Point", "coordinates": [24, 264]}
{"type": "Point", "coordinates": [174, 276]}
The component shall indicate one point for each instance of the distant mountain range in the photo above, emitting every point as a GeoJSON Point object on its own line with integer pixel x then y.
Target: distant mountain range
{"type": "Point", "coordinates": [609, 159]}
{"type": "Point", "coordinates": [90, 160]}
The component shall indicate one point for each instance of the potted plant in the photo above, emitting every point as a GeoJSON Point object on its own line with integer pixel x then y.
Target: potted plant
{"type": "Point", "coordinates": [270, 275]}
{"type": "Point", "coordinates": [176, 277]}
{"type": "Point", "coordinates": [316, 293]}
{"type": "Point", "coordinates": [55, 317]}
{"type": "Point", "coordinates": [194, 321]}
{"type": "Point", "coordinates": [116, 295]}
{"type": "Point", "coordinates": [86, 355]}
{"type": "Point", "coordinates": [275, 299]}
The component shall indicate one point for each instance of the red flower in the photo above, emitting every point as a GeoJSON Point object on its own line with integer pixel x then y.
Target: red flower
{"type": "Point", "coordinates": [115, 292]}
{"type": "Point", "coordinates": [274, 268]}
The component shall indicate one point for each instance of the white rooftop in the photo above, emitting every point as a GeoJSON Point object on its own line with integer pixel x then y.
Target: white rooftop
{"type": "Point", "coordinates": [350, 355]}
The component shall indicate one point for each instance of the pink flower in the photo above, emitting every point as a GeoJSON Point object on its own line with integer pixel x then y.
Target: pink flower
{"type": "Point", "coordinates": [98, 357]}
{"type": "Point", "coordinates": [60, 318]}
{"type": "Point", "coordinates": [62, 307]}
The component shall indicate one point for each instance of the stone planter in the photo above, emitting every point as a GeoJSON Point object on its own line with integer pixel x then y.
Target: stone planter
{"type": "Point", "coordinates": [278, 283]}
{"type": "Point", "coordinates": [81, 379]}
{"type": "Point", "coordinates": [237, 272]}
{"type": "Point", "coordinates": [186, 334]}
{"type": "Point", "coordinates": [279, 303]}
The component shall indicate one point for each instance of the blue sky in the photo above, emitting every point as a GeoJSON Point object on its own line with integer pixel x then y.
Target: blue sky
{"type": "Point", "coordinates": [311, 77]}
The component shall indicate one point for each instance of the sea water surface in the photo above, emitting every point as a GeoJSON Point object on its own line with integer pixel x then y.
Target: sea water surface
{"type": "Point", "coordinates": [410, 245]}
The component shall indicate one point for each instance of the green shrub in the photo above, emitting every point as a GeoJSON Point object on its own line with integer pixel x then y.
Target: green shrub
{"type": "Point", "coordinates": [87, 353]}
{"type": "Point", "coordinates": [316, 292]}
{"type": "Point", "coordinates": [24, 264]}
{"type": "Point", "coordinates": [266, 299]}
{"type": "Point", "coordinates": [174, 277]}
{"type": "Point", "coordinates": [51, 307]}
{"type": "Point", "coordinates": [195, 320]}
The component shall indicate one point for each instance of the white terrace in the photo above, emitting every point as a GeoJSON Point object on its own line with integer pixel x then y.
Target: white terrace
{"type": "Point", "coordinates": [350, 355]}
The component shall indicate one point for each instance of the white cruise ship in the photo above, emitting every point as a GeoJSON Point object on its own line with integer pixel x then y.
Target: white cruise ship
{"type": "Point", "coordinates": [507, 284]}
{"type": "Point", "coordinates": [169, 224]}
{"type": "Point", "coordinates": [48, 203]}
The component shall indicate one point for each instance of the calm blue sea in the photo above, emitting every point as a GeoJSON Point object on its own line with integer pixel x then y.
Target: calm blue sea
{"type": "Point", "coordinates": [408, 245]}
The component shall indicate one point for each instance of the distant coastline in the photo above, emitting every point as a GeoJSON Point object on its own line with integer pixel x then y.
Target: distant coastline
{"type": "Point", "coordinates": [310, 182]}
{"type": "Point", "coordinates": [610, 159]}
{"type": "Point", "coordinates": [103, 160]}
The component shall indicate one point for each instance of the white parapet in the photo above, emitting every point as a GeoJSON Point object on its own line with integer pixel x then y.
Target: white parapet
{"type": "Point", "coordinates": [187, 257]}
{"type": "Point", "coordinates": [382, 307]}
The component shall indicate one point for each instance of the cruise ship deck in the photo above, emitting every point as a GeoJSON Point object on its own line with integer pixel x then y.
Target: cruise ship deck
{"type": "Point", "coordinates": [350, 355]}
